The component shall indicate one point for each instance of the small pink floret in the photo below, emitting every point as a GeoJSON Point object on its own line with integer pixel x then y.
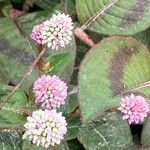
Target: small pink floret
{"type": "Point", "coordinates": [134, 108]}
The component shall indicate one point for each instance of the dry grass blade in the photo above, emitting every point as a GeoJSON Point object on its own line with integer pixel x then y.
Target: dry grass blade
{"type": "Point", "coordinates": [96, 15]}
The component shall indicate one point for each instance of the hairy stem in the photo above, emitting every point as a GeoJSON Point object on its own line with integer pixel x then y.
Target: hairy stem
{"type": "Point", "coordinates": [80, 33]}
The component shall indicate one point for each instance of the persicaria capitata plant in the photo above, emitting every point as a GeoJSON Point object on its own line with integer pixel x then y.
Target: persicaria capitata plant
{"type": "Point", "coordinates": [74, 75]}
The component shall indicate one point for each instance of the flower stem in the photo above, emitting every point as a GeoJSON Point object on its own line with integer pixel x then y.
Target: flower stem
{"type": "Point", "coordinates": [42, 64]}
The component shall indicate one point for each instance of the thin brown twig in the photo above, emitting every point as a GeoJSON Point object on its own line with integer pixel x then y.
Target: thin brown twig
{"type": "Point", "coordinates": [12, 129]}
{"type": "Point", "coordinates": [63, 9]}
{"type": "Point", "coordinates": [143, 85]}
{"type": "Point", "coordinates": [100, 12]}
{"type": "Point", "coordinates": [28, 72]}
{"type": "Point", "coordinates": [27, 5]}
{"type": "Point", "coordinates": [19, 27]}
{"type": "Point", "coordinates": [19, 111]}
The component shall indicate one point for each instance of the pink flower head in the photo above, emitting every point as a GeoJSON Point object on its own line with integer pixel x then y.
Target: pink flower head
{"type": "Point", "coordinates": [36, 33]}
{"type": "Point", "coordinates": [50, 91]}
{"type": "Point", "coordinates": [134, 108]}
{"type": "Point", "coordinates": [45, 128]}
{"type": "Point", "coordinates": [57, 31]}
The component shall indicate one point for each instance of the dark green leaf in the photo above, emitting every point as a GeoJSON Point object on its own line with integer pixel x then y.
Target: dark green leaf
{"type": "Point", "coordinates": [71, 103]}
{"type": "Point", "coordinates": [10, 116]}
{"type": "Point", "coordinates": [59, 62]}
{"type": "Point", "coordinates": [145, 140]}
{"type": "Point", "coordinates": [10, 140]}
{"type": "Point", "coordinates": [70, 6]}
{"type": "Point", "coordinates": [109, 133]}
{"type": "Point", "coordinates": [73, 127]}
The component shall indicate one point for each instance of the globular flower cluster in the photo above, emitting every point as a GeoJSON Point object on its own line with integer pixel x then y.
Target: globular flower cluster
{"type": "Point", "coordinates": [50, 91]}
{"type": "Point", "coordinates": [55, 32]}
{"type": "Point", "coordinates": [45, 128]}
{"type": "Point", "coordinates": [134, 108]}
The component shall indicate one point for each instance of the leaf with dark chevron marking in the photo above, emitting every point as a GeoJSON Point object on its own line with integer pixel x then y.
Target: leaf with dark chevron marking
{"type": "Point", "coordinates": [114, 17]}
{"type": "Point", "coordinates": [15, 53]}
{"type": "Point", "coordinates": [115, 67]}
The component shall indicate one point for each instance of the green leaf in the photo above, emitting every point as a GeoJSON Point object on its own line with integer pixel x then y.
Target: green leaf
{"type": "Point", "coordinates": [62, 61]}
{"type": "Point", "coordinates": [7, 10]}
{"type": "Point", "coordinates": [28, 146]}
{"type": "Point", "coordinates": [62, 67]}
{"type": "Point", "coordinates": [115, 67]}
{"type": "Point", "coordinates": [70, 6]}
{"type": "Point", "coordinates": [10, 140]}
{"type": "Point", "coordinates": [71, 102]}
{"type": "Point", "coordinates": [73, 127]}
{"type": "Point", "coordinates": [114, 17]}
{"type": "Point", "coordinates": [109, 133]}
{"type": "Point", "coordinates": [10, 116]}
{"type": "Point", "coordinates": [82, 49]}
{"type": "Point", "coordinates": [15, 53]}
{"type": "Point", "coordinates": [145, 139]}
{"type": "Point", "coordinates": [59, 62]}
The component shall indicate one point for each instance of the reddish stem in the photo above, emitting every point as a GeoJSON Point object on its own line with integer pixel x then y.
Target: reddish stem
{"type": "Point", "coordinates": [81, 34]}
